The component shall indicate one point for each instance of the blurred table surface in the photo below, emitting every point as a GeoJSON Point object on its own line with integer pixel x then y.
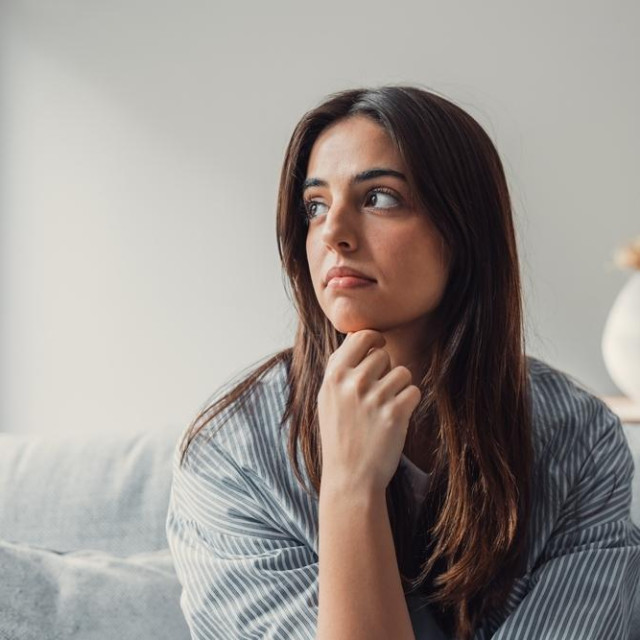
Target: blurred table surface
{"type": "Point", "coordinates": [627, 409]}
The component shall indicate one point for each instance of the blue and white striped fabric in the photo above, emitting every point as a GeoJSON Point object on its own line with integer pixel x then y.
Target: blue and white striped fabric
{"type": "Point", "coordinates": [244, 534]}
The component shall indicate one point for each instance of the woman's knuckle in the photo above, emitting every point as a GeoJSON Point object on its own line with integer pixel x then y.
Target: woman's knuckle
{"type": "Point", "coordinates": [402, 373]}
{"type": "Point", "coordinates": [377, 398]}
{"type": "Point", "coordinates": [360, 383]}
{"type": "Point", "coordinates": [333, 373]}
{"type": "Point", "coordinates": [389, 414]}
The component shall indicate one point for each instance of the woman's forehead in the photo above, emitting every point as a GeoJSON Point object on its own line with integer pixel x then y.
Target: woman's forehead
{"type": "Point", "coordinates": [351, 146]}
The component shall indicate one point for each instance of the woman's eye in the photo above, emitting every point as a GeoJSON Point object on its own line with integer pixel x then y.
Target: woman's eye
{"type": "Point", "coordinates": [309, 207]}
{"type": "Point", "coordinates": [379, 198]}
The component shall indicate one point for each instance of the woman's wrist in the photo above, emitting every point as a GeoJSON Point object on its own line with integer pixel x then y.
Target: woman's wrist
{"type": "Point", "coordinates": [349, 494]}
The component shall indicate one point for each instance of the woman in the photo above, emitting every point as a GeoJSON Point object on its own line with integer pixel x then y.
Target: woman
{"type": "Point", "coordinates": [404, 470]}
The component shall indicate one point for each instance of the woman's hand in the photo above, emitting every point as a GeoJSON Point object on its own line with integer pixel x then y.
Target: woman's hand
{"type": "Point", "coordinates": [364, 408]}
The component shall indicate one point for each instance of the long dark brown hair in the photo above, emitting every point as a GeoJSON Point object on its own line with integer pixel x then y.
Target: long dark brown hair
{"type": "Point", "coordinates": [475, 405]}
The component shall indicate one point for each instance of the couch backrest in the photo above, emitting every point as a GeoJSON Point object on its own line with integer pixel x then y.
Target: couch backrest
{"type": "Point", "coordinates": [110, 492]}
{"type": "Point", "coordinates": [106, 492]}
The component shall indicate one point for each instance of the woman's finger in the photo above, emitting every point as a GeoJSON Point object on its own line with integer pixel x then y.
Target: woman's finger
{"type": "Point", "coordinates": [409, 398]}
{"type": "Point", "coordinates": [376, 364]}
{"type": "Point", "coordinates": [396, 381]}
{"type": "Point", "coordinates": [352, 351]}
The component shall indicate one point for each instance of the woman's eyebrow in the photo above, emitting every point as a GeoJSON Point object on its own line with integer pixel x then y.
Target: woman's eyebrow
{"type": "Point", "coordinates": [359, 177]}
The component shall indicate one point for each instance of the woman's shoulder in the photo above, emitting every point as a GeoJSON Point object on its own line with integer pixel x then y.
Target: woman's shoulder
{"type": "Point", "coordinates": [247, 427]}
{"type": "Point", "coordinates": [567, 414]}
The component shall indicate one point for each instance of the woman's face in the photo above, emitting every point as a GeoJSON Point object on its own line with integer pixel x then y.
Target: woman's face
{"type": "Point", "coordinates": [369, 224]}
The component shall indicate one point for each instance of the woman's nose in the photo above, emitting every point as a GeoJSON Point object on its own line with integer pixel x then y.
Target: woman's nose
{"type": "Point", "coordinates": [340, 226]}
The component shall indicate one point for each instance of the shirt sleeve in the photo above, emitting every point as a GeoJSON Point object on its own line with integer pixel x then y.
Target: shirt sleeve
{"type": "Point", "coordinates": [584, 585]}
{"type": "Point", "coordinates": [243, 575]}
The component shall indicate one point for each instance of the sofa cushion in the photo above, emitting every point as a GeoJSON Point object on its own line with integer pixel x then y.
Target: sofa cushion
{"type": "Point", "coordinates": [105, 492]}
{"type": "Point", "coordinates": [88, 594]}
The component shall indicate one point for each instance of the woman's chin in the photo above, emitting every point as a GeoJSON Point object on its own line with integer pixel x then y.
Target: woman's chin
{"type": "Point", "coordinates": [352, 327]}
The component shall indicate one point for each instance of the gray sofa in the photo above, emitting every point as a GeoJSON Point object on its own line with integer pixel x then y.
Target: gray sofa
{"type": "Point", "coordinates": [83, 552]}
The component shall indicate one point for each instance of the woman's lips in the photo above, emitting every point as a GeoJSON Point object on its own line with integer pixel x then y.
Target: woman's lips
{"type": "Point", "coordinates": [348, 282]}
{"type": "Point", "coordinates": [345, 271]}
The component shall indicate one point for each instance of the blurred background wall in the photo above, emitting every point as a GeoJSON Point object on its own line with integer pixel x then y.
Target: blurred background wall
{"type": "Point", "coordinates": [141, 145]}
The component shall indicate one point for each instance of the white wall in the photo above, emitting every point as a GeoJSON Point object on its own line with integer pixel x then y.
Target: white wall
{"type": "Point", "coordinates": [141, 144]}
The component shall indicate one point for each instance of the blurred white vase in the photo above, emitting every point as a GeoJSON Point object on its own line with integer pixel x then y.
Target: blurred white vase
{"type": "Point", "coordinates": [621, 339]}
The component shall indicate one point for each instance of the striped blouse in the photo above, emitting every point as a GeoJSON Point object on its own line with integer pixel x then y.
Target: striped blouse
{"type": "Point", "coordinates": [244, 534]}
